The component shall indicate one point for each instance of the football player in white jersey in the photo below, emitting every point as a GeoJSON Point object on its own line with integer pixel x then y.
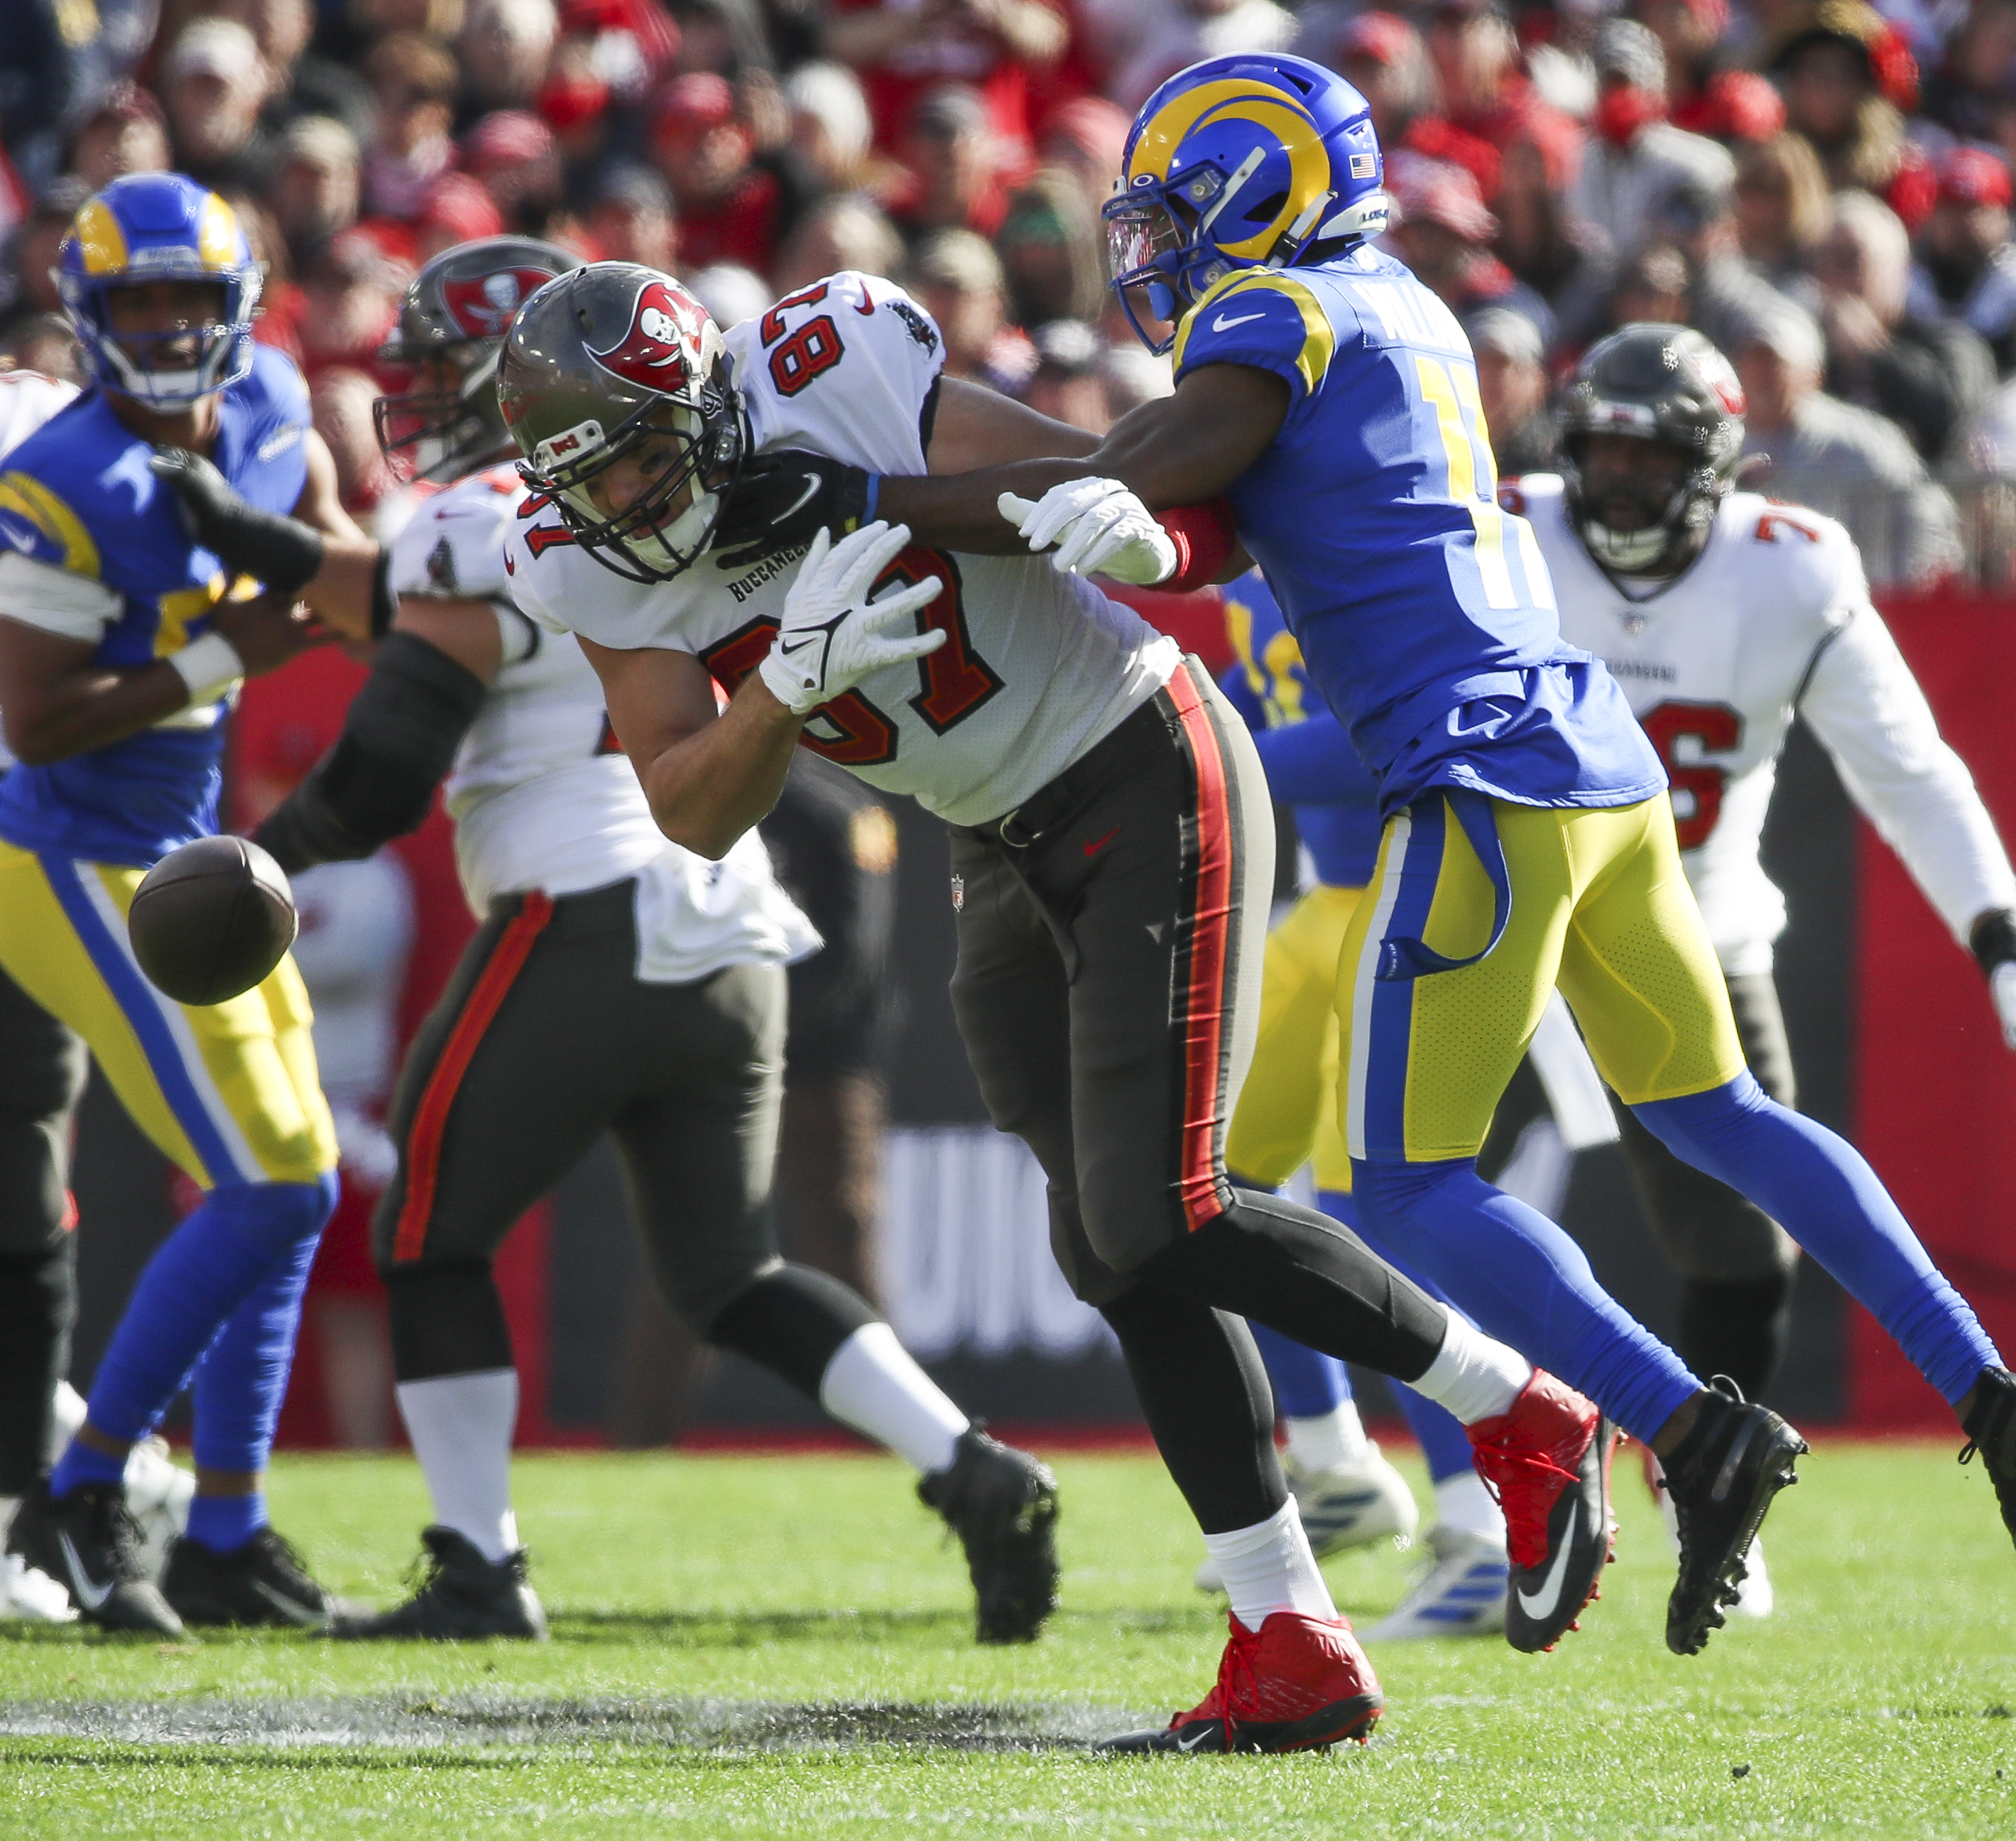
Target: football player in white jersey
{"type": "Point", "coordinates": [1723, 616]}
{"type": "Point", "coordinates": [618, 983]}
{"type": "Point", "coordinates": [1111, 859]}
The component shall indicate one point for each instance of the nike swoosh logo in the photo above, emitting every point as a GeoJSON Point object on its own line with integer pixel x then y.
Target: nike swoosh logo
{"type": "Point", "coordinates": [89, 1594]}
{"type": "Point", "coordinates": [288, 1608]}
{"type": "Point", "coordinates": [1190, 1745]}
{"type": "Point", "coordinates": [1540, 1606]}
{"type": "Point", "coordinates": [788, 646]}
{"type": "Point", "coordinates": [1094, 847]}
{"type": "Point", "coordinates": [811, 486]}
{"type": "Point", "coordinates": [1222, 325]}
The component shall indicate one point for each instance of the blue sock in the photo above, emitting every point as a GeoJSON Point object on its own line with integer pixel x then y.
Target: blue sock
{"type": "Point", "coordinates": [243, 1377]}
{"type": "Point", "coordinates": [1443, 1441]}
{"type": "Point", "coordinates": [1519, 1278]}
{"type": "Point", "coordinates": [224, 1523]}
{"type": "Point", "coordinates": [80, 1464]}
{"type": "Point", "coordinates": [202, 1272]}
{"type": "Point", "coordinates": [1818, 1188]}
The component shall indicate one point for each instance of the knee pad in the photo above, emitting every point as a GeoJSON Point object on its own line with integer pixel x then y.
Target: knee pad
{"type": "Point", "coordinates": [792, 1321]}
{"type": "Point", "coordinates": [274, 1219]}
{"type": "Point", "coordinates": [446, 1320]}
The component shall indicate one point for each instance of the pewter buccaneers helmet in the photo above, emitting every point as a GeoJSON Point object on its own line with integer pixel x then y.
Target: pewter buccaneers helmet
{"type": "Point", "coordinates": [598, 362]}
{"type": "Point", "coordinates": [1654, 383]}
{"type": "Point", "coordinates": [458, 307]}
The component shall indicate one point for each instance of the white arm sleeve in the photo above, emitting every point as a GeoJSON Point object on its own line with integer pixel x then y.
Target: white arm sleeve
{"type": "Point", "coordinates": [41, 595]}
{"type": "Point", "coordinates": [1871, 716]}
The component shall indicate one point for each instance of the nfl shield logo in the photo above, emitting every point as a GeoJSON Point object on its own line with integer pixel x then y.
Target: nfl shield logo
{"type": "Point", "coordinates": [958, 894]}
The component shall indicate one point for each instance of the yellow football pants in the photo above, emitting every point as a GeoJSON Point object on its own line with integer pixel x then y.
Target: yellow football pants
{"type": "Point", "coordinates": [228, 1092]}
{"type": "Point", "coordinates": [1600, 906]}
{"type": "Point", "coordinates": [1286, 1114]}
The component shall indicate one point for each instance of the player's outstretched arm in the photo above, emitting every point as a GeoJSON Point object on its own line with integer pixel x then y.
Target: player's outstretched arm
{"type": "Point", "coordinates": [56, 701]}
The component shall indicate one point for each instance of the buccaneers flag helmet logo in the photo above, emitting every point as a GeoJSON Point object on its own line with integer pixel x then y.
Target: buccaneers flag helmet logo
{"type": "Point", "coordinates": [660, 350]}
{"type": "Point", "coordinates": [482, 305]}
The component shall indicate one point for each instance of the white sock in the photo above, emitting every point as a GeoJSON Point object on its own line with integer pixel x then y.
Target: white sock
{"type": "Point", "coordinates": [1268, 1567]}
{"type": "Point", "coordinates": [461, 1427]}
{"type": "Point", "coordinates": [873, 1385]}
{"type": "Point", "coordinates": [9, 1506]}
{"type": "Point", "coordinates": [1334, 1440]}
{"type": "Point", "coordinates": [1464, 1505]}
{"type": "Point", "coordinates": [1473, 1376]}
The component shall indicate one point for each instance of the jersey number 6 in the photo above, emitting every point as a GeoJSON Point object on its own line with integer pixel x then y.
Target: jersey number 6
{"type": "Point", "coordinates": [1683, 732]}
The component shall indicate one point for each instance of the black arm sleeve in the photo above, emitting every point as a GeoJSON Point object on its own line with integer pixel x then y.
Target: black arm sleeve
{"type": "Point", "coordinates": [397, 744]}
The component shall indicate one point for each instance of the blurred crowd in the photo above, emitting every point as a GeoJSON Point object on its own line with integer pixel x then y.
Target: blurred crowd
{"type": "Point", "coordinates": [1824, 188]}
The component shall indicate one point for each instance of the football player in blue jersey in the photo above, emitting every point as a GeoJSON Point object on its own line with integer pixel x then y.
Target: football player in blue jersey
{"type": "Point", "coordinates": [1333, 400]}
{"type": "Point", "coordinates": [121, 645]}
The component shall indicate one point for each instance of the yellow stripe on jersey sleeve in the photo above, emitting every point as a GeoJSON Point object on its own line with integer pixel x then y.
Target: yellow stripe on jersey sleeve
{"type": "Point", "coordinates": [1319, 338]}
{"type": "Point", "coordinates": [26, 495]}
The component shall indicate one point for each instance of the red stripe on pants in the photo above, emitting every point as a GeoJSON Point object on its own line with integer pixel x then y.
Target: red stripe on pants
{"type": "Point", "coordinates": [423, 1142]}
{"type": "Point", "coordinates": [1210, 923]}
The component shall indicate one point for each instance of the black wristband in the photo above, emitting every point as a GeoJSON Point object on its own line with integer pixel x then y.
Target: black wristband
{"type": "Point", "coordinates": [384, 603]}
{"type": "Point", "coordinates": [1993, 938]}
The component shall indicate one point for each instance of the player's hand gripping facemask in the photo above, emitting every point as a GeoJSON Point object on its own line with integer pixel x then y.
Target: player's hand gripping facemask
{"type": "Point", "coordinates": [832, 634]}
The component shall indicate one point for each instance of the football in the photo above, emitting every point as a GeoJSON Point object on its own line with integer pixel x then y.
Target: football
{"type": "Point", "coordinates": [210, 919]}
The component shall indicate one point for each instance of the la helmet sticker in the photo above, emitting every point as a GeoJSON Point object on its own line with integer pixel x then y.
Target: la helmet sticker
{"type": "Point", "coordinates": [481, 305]}
{"type": "Point", "coordinates": [658, 350]}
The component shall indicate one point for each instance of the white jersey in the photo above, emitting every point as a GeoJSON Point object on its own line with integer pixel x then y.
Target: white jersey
{"type": "Point", "coordinates": [1038, 667]}
{"type": "Point", "coordinates": [541, 795]}
{"type": "Point", "coordinates": [1773, 619]}
{"type": "Point", "coordinates": [27, 400]}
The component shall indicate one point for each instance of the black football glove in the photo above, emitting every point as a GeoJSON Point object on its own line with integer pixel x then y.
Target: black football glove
{"type": "Point", "coordinates": [782, 500]}
{"type": "Point", "coordinates": [282, 551]}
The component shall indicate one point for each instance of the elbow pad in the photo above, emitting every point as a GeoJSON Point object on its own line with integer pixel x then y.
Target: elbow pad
{"type": "Point", "coordinates": [397, 746]}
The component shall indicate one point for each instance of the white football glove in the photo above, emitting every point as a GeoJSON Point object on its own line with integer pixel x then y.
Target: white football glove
{"type": "Point", "coordinates": [1098, 528]}
{"type": "Point", "coordinates": [833, 636]}
{"type": "Point", "coordinates": [2002, 988]}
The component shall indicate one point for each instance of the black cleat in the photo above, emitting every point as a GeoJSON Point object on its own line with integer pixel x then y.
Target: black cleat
{"type": "Point", "coordinates": [1721, 1480]}
{"type": "Point", "coordinates": [462, 1595]}
{"type": "Point", "coordinates": [1990, 1427]}
{"type": "Point", "coordinates": [263, 1582]}
{"type": "Point", "coordinates": [1002, 1505]}
{"type": "Point", "coordinates": [90, 1543]}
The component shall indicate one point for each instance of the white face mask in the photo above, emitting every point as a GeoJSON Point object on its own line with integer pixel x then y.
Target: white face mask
{"type": "Point", "coordinates": [1626, 551]}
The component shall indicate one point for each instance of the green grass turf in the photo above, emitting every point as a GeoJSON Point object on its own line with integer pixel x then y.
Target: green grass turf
{"type": "Point", "coordinates": [1877, 1702]}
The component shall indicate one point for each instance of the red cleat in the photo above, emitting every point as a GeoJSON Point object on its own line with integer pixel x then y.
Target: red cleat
{"type": "Point", "coordinates": [1547, 1460]}
{"type": "Point", "coordinates": [1295, 1684]}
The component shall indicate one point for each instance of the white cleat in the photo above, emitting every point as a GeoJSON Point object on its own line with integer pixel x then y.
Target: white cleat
{"type": "Point", "coordinates": [1347, 1505]}
{"type": "Point", "coordinates": [1754, 1596]}
{"type": "Point", "coordinates": [29, 1597]}
{"type": "Point", "coordinates": [1461, 1593]}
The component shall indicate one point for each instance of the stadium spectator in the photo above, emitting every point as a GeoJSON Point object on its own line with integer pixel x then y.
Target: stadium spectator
{"type": "Point", "coordinates": [340, 399]}
{"type": "Point", "coordinates": [1069, 382]}
{"type": "Point", "coordinates": [504, 49]}
{"type": "Point", "coordinates": [844, 233]}
{"type": "Point", "coordinates": [513, 156]}
{"type": "Point", "coordinates": [729, 209]}
{"type": "Point", "coordinates": [902, 49]}
{"type": "Point", "coordinates": [414, 82]}
{"type": "Point", "coordinates": [352, 291]}
{"type": "Point", "coordinates": [214, 85]}
{"type": "Point", "coordinates": [31, 252]}
{"type": "Point", "coordinates": [1442, 232]}
{"type": "Point", "coordinates": [1637, 163]}
{"type": "Point", "coordinates": [318, 189]}
{"type": "Point", "coordinates": [1052, 252]}
{"type": "Point", "coordinates": [1653, 286]}
{"type": "Point", "coordinates": [127, 132]}
{"type": "Point", "coordinates": [574, 104]}
{"type": "Point", "coordinates": [1087, 137]}
{"type": "Point", "coordinates": [1928, 377]}
{"type": "Point", "coordinates": [830, 131]}
{"type": "Point", "coordinates": [1563, 259]}
{"type": "Point", "coordinates": [1967, 263]}
{"type": "Point", "coordinates": [951, 169]}
{"type": "Point", "coordinates": [1143, 43]}
{"type": "Point", "coordinates": [958, 277]}
{"type": "Point", "coordinates": [458, 210]}
{"type": "Point", "coordinates": [1384, 50]}
{"type": "Point", "coordinates": [1783, 209]}
{"type": "Point", "coordinates": [1134, 375]}
{"type": "Point", "coordinates": [1484, 94]}
{"type": "Point", "coordinates": [1847, 78]}
{"type": "Point", "coordinates": [631, 218]}
{"type": "Point", "coordinates": [1512, 383]}
{"type": "Point", "coordinates": [1848, 462]}
{"type": "Point", "coordinates": [1969, 92]}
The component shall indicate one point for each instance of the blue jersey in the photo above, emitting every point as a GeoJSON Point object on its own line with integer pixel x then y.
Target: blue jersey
{"type": "Point", "coordinates": [78, 496]}
{"type": "Point", "coordinates": [1423, 609]}
{"type": "Point", "coordinates": [1310, 762]}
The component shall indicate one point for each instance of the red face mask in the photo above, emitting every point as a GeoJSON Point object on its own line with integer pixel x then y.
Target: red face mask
{"type": "Point", "coordinates": [1621, 112]}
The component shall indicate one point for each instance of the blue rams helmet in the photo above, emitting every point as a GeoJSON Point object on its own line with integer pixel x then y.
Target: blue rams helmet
{"type": "Point", "coordinates": [1247, 161]}
{"type": "Point", "coordinates": [160, 227]}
